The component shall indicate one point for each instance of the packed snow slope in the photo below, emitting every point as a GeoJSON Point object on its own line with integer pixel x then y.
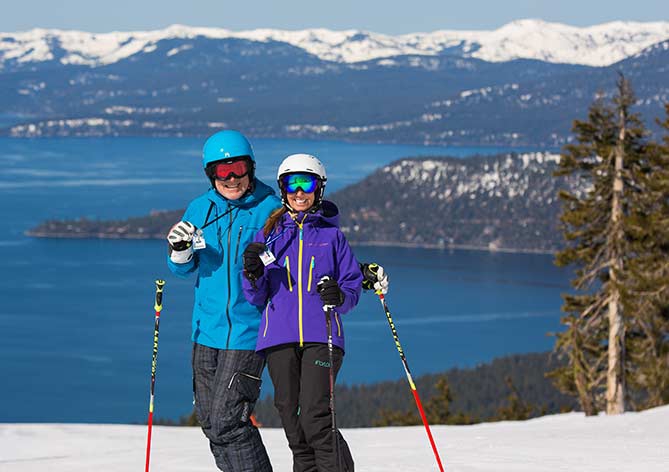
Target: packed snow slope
{"type": "Point", "coordinates": [633, 442]}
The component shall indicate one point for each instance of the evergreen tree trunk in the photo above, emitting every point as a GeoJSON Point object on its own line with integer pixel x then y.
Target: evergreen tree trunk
{"type": "Point", "coordinates": [615, 378]}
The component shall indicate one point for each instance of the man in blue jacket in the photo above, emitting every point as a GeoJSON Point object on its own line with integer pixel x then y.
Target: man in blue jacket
{"type": "Point", "coordinates": [209, 241]}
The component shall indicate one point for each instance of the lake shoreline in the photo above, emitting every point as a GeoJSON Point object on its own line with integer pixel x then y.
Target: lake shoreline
{"type": "Point", "coordinates": [462, 247]}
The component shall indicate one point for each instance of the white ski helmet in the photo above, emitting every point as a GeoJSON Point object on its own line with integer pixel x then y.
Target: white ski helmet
{"type": "Point", "coordinates": [303, 163]}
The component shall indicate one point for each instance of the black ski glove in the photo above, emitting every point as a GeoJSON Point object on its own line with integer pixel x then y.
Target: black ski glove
{"type": "Point", "coordinates": [330, 292]}
{"type": "Point", "coordinates": [253, 266]}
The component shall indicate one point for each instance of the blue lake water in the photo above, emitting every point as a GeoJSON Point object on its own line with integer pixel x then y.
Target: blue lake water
{"type": "Point", "coordinates": [76, 316]}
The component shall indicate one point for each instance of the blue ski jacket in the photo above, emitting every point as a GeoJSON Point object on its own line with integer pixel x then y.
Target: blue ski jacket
{"type": "Point", "coordinates": [222, 317]}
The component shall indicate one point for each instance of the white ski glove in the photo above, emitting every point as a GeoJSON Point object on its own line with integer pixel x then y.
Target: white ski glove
{"type": "Point", "coordinates": [382, 283]}
{"type": "Point", "coordinates": [180, 239]}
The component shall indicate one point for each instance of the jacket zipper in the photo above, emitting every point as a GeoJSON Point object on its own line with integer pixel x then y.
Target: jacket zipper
{"type": "Point", "coordinates": [264, 334]}
{"type": "Point", "coordinates": [299, 286]}
{"type": "Point", "coordinates": [227, 306]}
{"type": "Point", "coordinates": [286, 264]}
{"type": "Point", "coordinates": [239, 238]}
{"type": "Point", "coordinates": [311, 271]}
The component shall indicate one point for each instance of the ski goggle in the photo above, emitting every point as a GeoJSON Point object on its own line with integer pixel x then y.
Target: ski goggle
{"type": "Point", "coordinates": [226, 170]}
{"type": "Point", "coordinates": [291, 183]}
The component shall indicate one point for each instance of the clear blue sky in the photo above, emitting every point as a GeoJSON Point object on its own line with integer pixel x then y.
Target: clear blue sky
{"type": "Point", "coordinates": [383, 16]}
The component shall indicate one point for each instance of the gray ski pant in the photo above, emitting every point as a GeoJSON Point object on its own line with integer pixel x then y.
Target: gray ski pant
{"type": "Point", "coordinates": [226, 384]}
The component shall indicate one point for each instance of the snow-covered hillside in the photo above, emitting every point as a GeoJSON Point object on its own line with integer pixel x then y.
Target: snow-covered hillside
{"type": "Point", "coordinates": [632, 442]}
{"type": "Point", "coordinates": [598, 45]}
{"type": "Point", "coordinates": [507, 177]}
{"type": "Point", "coordinates": [502, 202]}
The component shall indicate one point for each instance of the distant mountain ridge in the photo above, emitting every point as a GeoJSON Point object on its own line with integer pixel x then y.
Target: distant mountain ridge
{"type": "Point", "coordinates": [181, 82]}
{"type": "Point", "coordinates": [599, 45]}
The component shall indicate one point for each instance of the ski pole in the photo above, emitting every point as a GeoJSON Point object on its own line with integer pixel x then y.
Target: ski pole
{"type": "Point", "coordinates": [328, 323]}
{"type": "Point", "coordinates": [158, 307]}
{"type": "Point", "coordinates": [411, 384]}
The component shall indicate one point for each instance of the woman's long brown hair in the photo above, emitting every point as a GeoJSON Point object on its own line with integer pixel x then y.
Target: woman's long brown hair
{"type": "Point", "coordinates": [273, 220]}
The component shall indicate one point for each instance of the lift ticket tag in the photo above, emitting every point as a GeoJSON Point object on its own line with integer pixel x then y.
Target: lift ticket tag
{"type": "Point", "coordinates": [198, 240]}
{"type": "Point", "coordinates": [267, 257]}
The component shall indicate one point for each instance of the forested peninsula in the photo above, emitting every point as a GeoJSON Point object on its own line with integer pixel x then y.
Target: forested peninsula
{"type": "Point", "coordinates": [506, 202]}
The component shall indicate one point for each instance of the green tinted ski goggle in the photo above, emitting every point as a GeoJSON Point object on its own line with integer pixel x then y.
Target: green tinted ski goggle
{"type": "Point", "coordinates": [291, 183]}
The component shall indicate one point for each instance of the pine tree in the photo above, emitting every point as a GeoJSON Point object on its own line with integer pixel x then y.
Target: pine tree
{"type": "Point", "coordinates": [388, 417]}
{"type": "Point", "coordinates": [649, 331]}
{"type": "Point", "coordinates": [516, 408]}
{"type": "Point", "coordinates": [437, 410]}
{"type": "Point", "coordinates": [581, 345]}
{"type": "Point", "coordinates": [610, 160]}
{"type": "Point", "coordinates": [438, 407]}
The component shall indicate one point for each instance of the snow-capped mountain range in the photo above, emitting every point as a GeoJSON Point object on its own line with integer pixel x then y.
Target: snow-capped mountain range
{"type": "Point", "coordinates": [599, 45]}
{"type": "Point", "coordinates": [521, 85]}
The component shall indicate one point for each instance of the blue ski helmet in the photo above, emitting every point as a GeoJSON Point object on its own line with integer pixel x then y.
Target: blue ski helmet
{"type": "Point", "coordinates": [225, 145]}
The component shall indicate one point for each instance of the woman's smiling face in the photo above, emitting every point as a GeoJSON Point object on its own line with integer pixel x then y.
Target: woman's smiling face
{"type": "Point", "coordinates": [300, 201]}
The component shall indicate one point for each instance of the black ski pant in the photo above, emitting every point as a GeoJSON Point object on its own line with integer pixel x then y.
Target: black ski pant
{"type": "Point", "coordinates": [226, 384]}
{"type": "Point", "coordinates": [301, 378]}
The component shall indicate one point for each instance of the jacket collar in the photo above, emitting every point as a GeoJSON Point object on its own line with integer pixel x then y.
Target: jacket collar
{"type": "Point", "coordinates": [326, 215]}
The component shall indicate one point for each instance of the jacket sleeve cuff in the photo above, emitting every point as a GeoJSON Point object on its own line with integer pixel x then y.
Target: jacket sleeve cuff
{"type": "Point", "coordinates": [256, 291]}
{"type": "Point", "coordinates": [181, 270]}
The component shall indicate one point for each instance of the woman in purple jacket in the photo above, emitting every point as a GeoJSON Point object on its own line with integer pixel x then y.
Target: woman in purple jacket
{"type": "Point", "coordinates": [301, 244]}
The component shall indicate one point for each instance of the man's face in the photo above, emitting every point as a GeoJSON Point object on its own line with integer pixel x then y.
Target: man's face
{"type": "Point", "coordinates": [231, 177]}
{"type": "Point", "coordinates": [233, 187]}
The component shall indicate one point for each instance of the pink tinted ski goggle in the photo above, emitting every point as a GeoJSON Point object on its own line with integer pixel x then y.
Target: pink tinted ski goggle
{"type": "Point", "coordinates": [227, 170]}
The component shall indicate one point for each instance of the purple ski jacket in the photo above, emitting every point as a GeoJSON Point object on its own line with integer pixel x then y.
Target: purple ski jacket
{"type": "Point", "coordinates": [306, 248]}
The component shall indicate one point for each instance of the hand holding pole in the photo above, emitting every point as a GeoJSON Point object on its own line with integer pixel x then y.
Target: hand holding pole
{"type": "Point", "coordinates": [410, 379]}
{"type": "Point", "coordinates": [333, 419]}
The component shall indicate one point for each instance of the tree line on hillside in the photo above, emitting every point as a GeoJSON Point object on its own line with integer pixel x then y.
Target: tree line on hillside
{"type": "Point", "coordinates": [508, 388]}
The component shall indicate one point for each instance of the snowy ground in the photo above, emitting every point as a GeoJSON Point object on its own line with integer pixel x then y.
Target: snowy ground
{"type": "Point", "coordinates": [633, 442]}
